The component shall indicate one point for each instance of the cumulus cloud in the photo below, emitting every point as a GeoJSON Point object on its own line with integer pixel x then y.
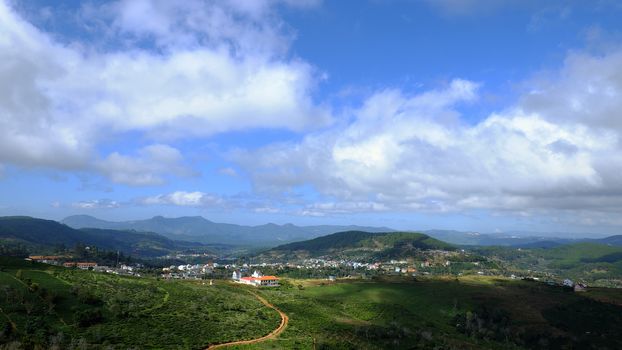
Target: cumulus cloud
{"type": "Point", "coordinates": [332, 208]}
{"type": "Point", "coordinates": [184, 199]}
{"type": "Point", "coordinates": [93, 204]}
{"type": "Point", "coordinates": [586, 90]}
{"type": "Point", "coordinates": [415, 152]}
{"type": "Point", "coordinates": [148, 167]}
{"type": "Point", "coordinates": [163, 69]}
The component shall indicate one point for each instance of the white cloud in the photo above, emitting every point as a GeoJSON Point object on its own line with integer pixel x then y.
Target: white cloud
{"type": "Point", "coordinates": [414, 153]}
{"type": "Point", "coordinates": [587, 90]}
{"type": "Point", "coordinates": [93, 204]}
{"type": "Point", "coordinates": [228, 171]}
{"type": "Point", "coordinates": [185, 199]}
{"type": "Point", "coordinates": [331, 208]}
{"type": "Point", "coordinates": [163, 69]}
{"type": "Point", "coordinates": [148, 167]}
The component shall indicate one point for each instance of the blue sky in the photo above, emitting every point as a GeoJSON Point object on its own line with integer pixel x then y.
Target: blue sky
{"type": "Point", "coordinates": [450, 114]}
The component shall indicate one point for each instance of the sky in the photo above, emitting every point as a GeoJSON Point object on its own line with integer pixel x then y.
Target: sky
{"type": "Point", "coordinates": [472, 115]}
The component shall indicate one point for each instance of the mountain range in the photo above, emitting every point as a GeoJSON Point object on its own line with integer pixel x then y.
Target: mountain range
{"type": "Point", "coordinates": [199, 229]}
{"type": "Point", "coordinates": [46, 235]}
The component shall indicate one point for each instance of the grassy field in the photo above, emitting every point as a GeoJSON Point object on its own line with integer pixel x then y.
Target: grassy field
{"type": "Point", "coordinates": [469, 313]}
{"type": "Point", "coordinates": [71, 309]}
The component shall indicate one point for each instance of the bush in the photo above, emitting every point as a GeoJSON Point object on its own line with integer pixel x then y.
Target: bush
{"type": "Point", "coordinates": [89, 317]}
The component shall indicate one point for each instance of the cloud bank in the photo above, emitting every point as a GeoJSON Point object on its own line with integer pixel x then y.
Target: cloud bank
{"type": "Point", "coordinates": [163, 70]}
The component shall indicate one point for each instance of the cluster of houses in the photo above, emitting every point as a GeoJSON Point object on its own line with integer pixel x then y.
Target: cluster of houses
{"type": "Point", "coordinates": [256, 279]}
{"type": "Point", "coordinates": [60, 260]}
{"type": "Point", "coordinates": [578, 287]}
{"type": "Point", "coordinates": [188, 271]}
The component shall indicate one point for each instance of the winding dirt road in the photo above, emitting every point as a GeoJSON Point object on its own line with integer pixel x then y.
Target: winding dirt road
{"type": "Point", "coordinates": [271, 335]}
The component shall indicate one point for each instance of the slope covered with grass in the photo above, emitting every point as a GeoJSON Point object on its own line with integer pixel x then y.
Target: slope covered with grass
{"type": "Point", "coordinates": [49, 306]}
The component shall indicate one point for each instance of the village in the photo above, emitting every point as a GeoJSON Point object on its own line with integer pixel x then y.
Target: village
{"type": "Point", "coordinates": [67, 261]}
{"type": "Point", "coordinates": [318, 268]}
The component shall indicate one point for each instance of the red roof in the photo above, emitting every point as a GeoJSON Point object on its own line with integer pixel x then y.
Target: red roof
{"type": "Point", "coordinates": [264, 278]}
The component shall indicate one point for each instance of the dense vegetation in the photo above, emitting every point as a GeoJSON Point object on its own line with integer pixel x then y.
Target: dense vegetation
{"type": "Point", "coordinates": [42, 306]}
{"type": "Point", "coordinates": [595, 263]}
{"type": "Point", "coordinates": [59, 308]}
{"type": "Point", "coordinates": [464, 313]}
{"type": "Point", "coordinates": [384, 245]}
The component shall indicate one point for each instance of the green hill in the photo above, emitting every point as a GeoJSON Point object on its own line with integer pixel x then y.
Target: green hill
{"type": "Point", "coordinates": [363, 244]}
{"type": "Point", "coordinates": [50, 307]}
{"type": "Point", "coordinates": [44, 235]}
{"type": "Point", "coordinates": [595, 263]}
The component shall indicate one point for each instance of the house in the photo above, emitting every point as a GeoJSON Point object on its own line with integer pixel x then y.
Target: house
{"type": "Point", "coordinates": [80, 265]}
{"type": "Point", "coordinates": [236, 275]}
{"type": "Point", "coordinates": [580, 287]}
{"type": "Point", "coordinates": [46, 259]}
{"type": "Point", "coordinates": [568, 283]}
{"type": "Point", "coordinates": [258, 280]}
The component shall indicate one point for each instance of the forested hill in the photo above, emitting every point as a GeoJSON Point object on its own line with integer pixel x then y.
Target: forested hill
{"type": "Point", "coordinates": [40, 235]}
{"type": "Point", "coordinates": [385, 244]}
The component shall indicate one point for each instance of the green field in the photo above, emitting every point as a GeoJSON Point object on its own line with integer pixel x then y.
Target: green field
{"type": "Point", "coordinates": [59, 308]}
{"type": "Point", "coordinates": [405, 314]}
{"type": "Point", "coordinates": [72, 309]}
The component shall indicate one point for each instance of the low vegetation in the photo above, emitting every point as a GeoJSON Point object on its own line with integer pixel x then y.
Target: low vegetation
{"type": "Point", "coordinates": [51, 307]}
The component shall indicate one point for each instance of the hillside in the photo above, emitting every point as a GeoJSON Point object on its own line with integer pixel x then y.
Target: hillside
{"type": "Point", "coordinates": [362, 244]}
{"type": "Point", "coordinates": [517, 239]}
{"type": "Point", "coordinates": [199, 229]}
{"type": "Point", "coordinates": [46, 235]}
{"type": "Point", "coordinates": [592, 262]}
{"type": "Point", "coordinates": [107, 311]}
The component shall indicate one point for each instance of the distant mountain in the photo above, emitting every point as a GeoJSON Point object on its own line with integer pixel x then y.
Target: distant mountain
{"type": "Point", "coordinates": [361, 244]}
{"type": "Point", "coordinates": [612, 240]}
{"type": "Point", "coordinates": [522, 239]}
{"type": "Point", "coordinates": [197, 228]}
{"type": "Point", "coordinates": [47, 234]}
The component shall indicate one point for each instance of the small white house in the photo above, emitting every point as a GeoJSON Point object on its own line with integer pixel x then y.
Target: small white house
{"type": "Point", "coordinates": [236, 275]}
{"type": "Point", "coordinates": [568, 283]}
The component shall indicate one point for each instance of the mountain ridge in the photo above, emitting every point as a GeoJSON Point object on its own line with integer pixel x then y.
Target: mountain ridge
{"type": "Point", "coordinates": [200, 229]}
{"type": "Point", "coordinates": [47, 234]}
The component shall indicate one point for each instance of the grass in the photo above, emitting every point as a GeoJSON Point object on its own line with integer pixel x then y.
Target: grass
{"type": "Point", "coordinates": [422, 314]}
{"type": "Point", "coordinates": [52, 306]}
{"type": "Point", "coordinates": [103, 311]}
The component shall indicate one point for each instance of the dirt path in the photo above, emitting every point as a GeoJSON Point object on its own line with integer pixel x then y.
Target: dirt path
{"type": "Point", "coordinates": [271, 335]}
